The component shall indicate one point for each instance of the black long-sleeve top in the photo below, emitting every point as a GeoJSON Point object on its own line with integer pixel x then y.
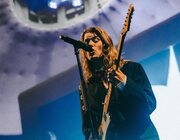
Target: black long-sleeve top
{"type": "Point", "coordinates": [130, 107]}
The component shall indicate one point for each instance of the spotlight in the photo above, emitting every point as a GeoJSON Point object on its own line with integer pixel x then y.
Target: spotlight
{"type": "Point", "coordinates": [52, 5]}
{"type": "Point", "coordinates": [76, 3]}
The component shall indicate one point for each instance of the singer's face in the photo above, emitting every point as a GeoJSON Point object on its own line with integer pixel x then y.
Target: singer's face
{"type": "Point", "coordinates": [95, 42]}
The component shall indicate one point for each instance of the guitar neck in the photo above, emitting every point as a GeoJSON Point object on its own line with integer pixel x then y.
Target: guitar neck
{"type": "Point", "coordinates": [105, 116]}
{"type": "Point", "coordinates": [108, 95]}
{"type": "Point", "coordinates": [119, 49]}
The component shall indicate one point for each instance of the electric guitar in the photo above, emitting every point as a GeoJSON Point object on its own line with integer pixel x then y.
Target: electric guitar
{"type": "Point", "coordinates": [105, 121]}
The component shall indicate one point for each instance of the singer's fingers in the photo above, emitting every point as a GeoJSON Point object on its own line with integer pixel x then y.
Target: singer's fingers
{"type": "Point", "coordinates": [109, 70]}
{"type": "Point", "coordinates": [118, 72]}
{"type": "Point", "coordinates": [120, 76]}
{"type": "Point", "coordinates": [105, 84]}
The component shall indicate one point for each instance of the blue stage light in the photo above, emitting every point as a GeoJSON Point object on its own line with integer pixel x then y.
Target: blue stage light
{"type": "Point", "coordinates": [76, 3]}
{"type": "Point", "coordinates": [53, 5]}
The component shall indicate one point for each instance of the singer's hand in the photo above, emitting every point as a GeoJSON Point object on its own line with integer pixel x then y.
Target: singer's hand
{"type": "Point", "coordinates": [116, 77]}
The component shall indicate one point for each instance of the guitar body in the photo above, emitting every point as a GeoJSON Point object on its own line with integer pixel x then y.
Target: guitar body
{"type": "Point", "coordinates": [104, 126]}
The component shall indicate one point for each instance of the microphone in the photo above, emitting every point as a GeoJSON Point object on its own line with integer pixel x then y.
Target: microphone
{"type": "Point", "coordinates": [76, 43]}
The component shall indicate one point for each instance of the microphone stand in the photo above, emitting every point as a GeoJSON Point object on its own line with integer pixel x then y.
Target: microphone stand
{"type": "Point", "coordinates": [76, 51]}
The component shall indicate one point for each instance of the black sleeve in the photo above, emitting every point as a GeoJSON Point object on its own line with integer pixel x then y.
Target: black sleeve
{"type": "Point", "coordinates": [138, 91]}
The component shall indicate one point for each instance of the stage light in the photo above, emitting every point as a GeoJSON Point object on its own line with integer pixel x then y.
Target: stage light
{"type": "Point", "coordinates": [76, 3]}
{"type": "Point", "coordinates": [52, 5]}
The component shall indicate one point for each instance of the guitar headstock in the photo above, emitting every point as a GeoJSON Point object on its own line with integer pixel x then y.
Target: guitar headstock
{"type": "Point", "coordinates": [128, 19]}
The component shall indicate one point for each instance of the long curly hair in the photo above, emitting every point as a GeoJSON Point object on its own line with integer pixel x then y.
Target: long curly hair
{"type": "Point", "coordinates": [109, 51]}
